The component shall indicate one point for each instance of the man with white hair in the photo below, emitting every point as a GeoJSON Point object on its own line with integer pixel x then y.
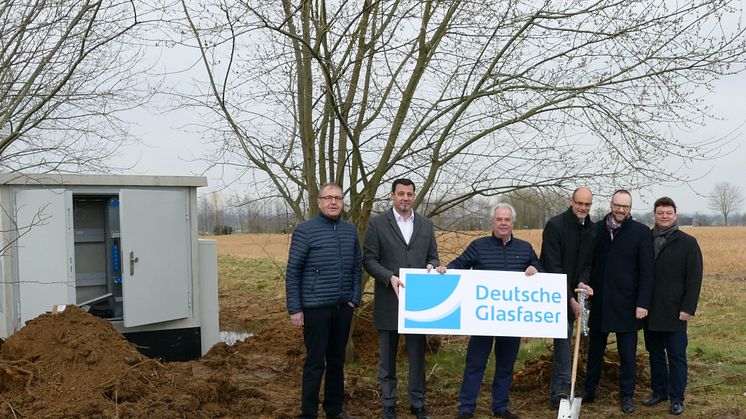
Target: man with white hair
{"type": "Point", "coordinates": [499, 251]}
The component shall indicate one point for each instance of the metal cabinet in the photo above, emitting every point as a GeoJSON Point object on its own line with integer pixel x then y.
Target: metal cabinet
{"type": "Point", "coordinates": [123, 247]}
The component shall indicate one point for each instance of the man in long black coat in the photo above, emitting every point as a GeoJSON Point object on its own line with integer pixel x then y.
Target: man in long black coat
{"type": "Point", "coordinates": [567, 248]}
{"type": "Point", "coordinates": [621, 278]}
{"type": "Point", "coordinates": [676, 287]}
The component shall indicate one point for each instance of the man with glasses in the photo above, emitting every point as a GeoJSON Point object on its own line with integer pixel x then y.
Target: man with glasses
{"type": "Point", "coordinates": [398, 239]}
{"type": "Point", "coordinates": [621, 278]}
{"type": "Point", "coordinates": [567, 248]}
{"type": "Point", "coordinates": [322, 283]}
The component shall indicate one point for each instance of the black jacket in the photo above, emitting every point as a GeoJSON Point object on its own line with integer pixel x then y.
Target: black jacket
{"type": "Point", "coordinates": [567, 248]}
{"type": "Point", "coordinates": [677, 282]}
{"type": "Point", "coordinates": [621, 277]}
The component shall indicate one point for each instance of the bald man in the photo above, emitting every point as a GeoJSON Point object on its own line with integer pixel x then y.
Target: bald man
{"type": "Point", "coordinates": [567, 248]}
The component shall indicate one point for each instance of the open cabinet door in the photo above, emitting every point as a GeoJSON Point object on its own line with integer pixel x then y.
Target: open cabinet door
{"type": "Point", "coordinates": [156, 255]}
{"type": "Point", "coordinates": [44, 247]}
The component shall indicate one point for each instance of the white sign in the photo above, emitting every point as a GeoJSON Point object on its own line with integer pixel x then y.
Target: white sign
{"type": "Point", "coordinates": [484, 303]}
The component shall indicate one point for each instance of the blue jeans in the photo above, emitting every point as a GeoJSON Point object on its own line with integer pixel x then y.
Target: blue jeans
{"type": "Point", "coordinates": [477, 354]}
{"type": "Point", "coordinates": [562, 362]}
{"type": "Point", "coordinates": [668, 366]}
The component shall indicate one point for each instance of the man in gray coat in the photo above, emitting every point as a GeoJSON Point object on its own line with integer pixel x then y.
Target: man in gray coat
{"type": "Point", "coordinates": [398, 239]}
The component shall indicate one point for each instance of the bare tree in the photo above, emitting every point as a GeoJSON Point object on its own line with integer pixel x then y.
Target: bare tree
{"type": "Point", "coordinates": [535, 207]}
{"type": "Point", "coordinates": [66, 68]}
{"type": "Point", "coordinates": [725, 198]}
{"type": "Point", "coordinates": [467, 98]}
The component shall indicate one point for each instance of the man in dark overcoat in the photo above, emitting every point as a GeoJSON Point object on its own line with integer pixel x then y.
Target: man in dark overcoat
{"type": "Point", "coordinates": [622, 279]}
{"type": "Point", "coordinates": [567, 248]}
{"type": "Point", "coordinates": [396, 239]}
{"type": "Point", "coordinates": [676, 287]}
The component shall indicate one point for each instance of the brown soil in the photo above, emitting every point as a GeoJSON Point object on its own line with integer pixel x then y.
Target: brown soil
{"type": "Point", "coordinates": [72, 364]}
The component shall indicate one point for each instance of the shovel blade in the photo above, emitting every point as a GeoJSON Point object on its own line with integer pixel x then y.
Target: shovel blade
{"type": "Point", "coordinates": [568, 410]}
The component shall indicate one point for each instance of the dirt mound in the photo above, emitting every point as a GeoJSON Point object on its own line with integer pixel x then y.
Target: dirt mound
{"type": "Point", "coordinates": [69, 356]}
{"type": "Point", "coordinates": [72, 364]}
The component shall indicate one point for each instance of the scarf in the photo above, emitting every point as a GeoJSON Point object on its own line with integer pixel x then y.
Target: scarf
{"type": "Point", "coordinates": [661, 237]}
{"type": "Point", "coordinates": [612, 225]}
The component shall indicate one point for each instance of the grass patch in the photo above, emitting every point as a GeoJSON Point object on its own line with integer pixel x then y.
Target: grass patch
{"type": "Point", "coordinates": [717, 348]}
{"type": "Point", "coordinates": [236, 273]}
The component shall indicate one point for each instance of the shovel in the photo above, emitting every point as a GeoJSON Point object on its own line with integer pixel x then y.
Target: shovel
{"type": "Point", "coordinates": [570, 408]}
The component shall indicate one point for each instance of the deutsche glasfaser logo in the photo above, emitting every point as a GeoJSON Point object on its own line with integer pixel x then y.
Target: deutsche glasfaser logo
{"type": "Point", "coordinates": [432, 307]}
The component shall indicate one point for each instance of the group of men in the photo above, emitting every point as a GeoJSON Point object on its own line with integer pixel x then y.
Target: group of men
{"type": "Point", "coordinates": [634, 278]}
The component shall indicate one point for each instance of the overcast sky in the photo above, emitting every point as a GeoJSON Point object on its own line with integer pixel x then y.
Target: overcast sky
{"type": "Point", "coordinates": [170, 147]}
{"type": "Point", "coordinates": [728, 104]}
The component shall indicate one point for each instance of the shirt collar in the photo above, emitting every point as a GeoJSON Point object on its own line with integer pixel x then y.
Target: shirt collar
{"type": "Point", "coordinates": [510, 239]}
{"type": "Point", "coordinates": [401, 219]}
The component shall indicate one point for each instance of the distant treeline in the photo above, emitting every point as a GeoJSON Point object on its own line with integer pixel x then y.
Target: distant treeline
{"type": "Point", "coordinates": [217, 217]}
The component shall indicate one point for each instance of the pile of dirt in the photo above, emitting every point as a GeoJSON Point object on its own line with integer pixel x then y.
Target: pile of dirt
{"type": "Point", "coordinates": [72, 364]}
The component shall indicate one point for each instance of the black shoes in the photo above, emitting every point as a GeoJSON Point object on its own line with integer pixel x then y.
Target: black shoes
{"type": "Point", "coordinates": [389, 412]}
{"type": "Point", "coordinates": [341, 415]}
{"type": "Point", "coordinates": [554, 400]}
{"type": "Point", "coordinates": [653, 400]}
{"type": "Point", "coordinates": [507, 414]}
{"type": "Point", "coordinates": [588, 396]}
{"type": "Point", "coordinates": [419, 412]}
{"type": "Point", "coordinates": [628, 405]}
{"type": "Point", "coordinates": [677, 408]}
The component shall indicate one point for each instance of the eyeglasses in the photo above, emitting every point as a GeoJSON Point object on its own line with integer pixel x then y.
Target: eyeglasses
{"type": "Point", "coordinates": [582, 204]}
{"type": "Point", "coordinates": [620, 206]}
{"type": "Point", "coordinates": [330, 198]}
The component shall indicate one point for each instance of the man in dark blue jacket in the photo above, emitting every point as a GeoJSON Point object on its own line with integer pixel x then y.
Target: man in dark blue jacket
{"type": "Point", "coordinates": [622, 279]}
{"type": "Point", "coordinates": [322, 283]}
{"type": "Point", "coordinates": [498, 252]}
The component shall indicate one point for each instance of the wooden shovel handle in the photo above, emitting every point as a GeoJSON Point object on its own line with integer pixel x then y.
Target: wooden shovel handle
{"type": "Point", "coordinates": [576, 351]}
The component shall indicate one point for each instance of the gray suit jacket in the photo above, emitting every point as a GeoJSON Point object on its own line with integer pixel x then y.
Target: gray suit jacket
{"type": "Point", "coordinates": [384, 252]}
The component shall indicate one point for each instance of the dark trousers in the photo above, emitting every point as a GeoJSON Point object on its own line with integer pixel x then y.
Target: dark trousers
{"type": "Point", "coordinates": [562, 361]}
{"type": "Point", "coordinates": [668, 366]}
{"type": "Point", "coordinates": [627, 347]}
{"type": "Point", "coordinates": [389, 345]}
{"type": "Point", "coordinates": [477, 354]}
{"type": "Point", "coordinates": [325, 333]}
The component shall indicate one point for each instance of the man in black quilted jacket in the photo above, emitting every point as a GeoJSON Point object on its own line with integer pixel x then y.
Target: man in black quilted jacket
{"type": "Point", "coordinates": [322, 283]}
